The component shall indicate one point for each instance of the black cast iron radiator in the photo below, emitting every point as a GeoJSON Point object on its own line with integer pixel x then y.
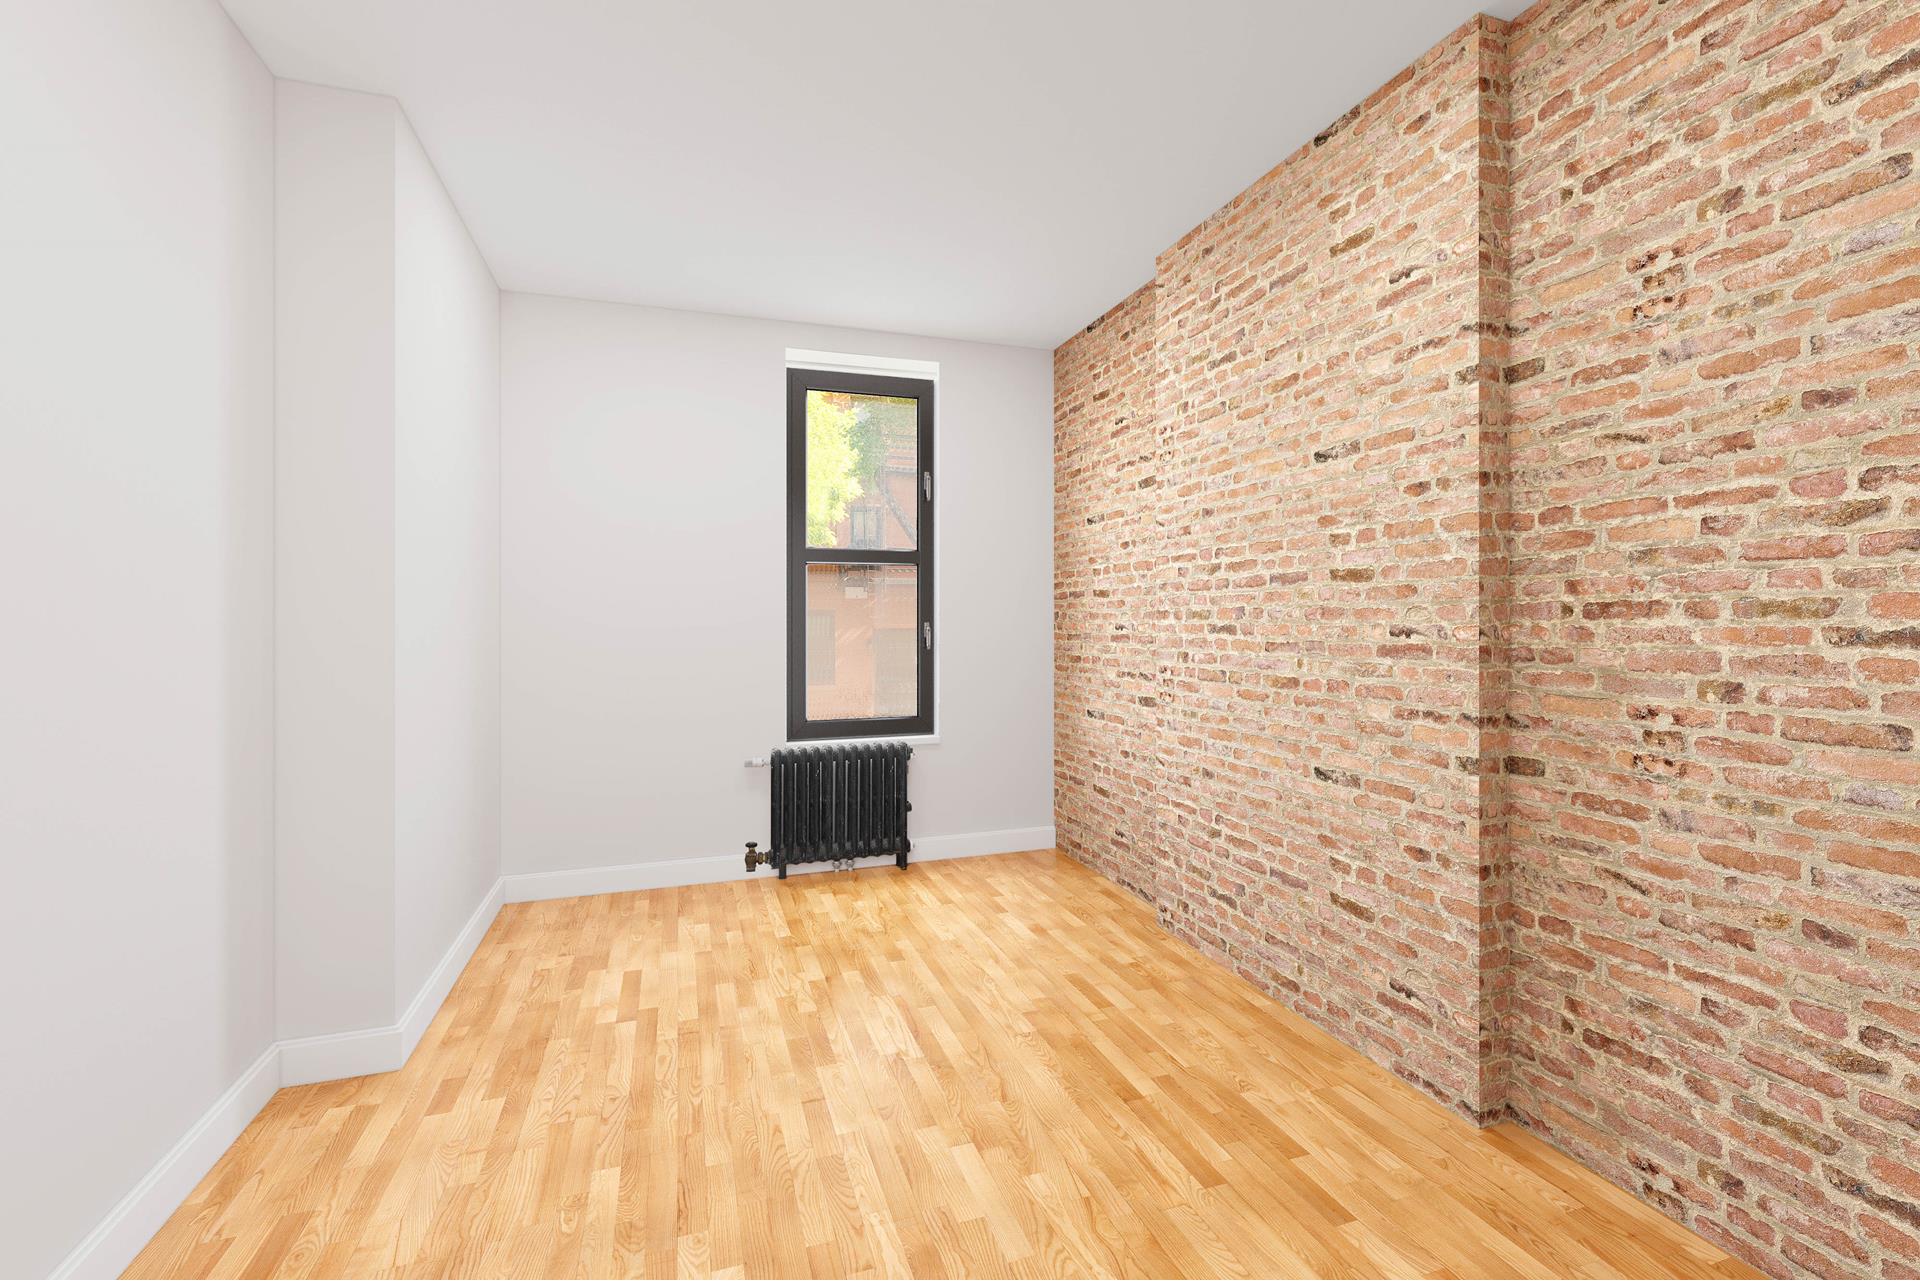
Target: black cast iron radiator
{"type": "Point", "coordinates": [837, 804]}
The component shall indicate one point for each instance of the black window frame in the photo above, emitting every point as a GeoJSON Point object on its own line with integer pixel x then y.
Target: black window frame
{"type": "Point", "coordinates": [799, 555]}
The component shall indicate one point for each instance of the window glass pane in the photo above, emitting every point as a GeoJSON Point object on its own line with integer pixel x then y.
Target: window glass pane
{"type": "Point", "coordinates": [863, 470]}
{"type": "Point", "coordinates": [875, 668]}
{"type": "Point", "coordinates": [820, 648]}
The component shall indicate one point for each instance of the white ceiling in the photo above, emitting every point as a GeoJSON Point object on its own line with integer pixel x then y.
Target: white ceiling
{"type": "Point", "coordinates": [1001, 170]}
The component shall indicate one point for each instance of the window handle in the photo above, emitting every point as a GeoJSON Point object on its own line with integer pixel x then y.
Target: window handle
{"type": "Point", "coordinates": [926, 634]}
{"type": "Point", "coordinates": [926, 484]}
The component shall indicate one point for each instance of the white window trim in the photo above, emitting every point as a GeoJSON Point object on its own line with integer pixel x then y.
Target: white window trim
{"type": "Point", "coordinates": [841, 362]}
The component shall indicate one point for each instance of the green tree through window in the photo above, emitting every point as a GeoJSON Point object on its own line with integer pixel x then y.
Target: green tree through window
{"type": "Point", "coordinates": [847, 446]}
{"type": "Point", "coordinates": [833, 465]}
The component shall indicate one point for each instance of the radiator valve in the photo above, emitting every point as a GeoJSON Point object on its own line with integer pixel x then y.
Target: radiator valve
{"type": "Point", "coordinates": [754, 857]}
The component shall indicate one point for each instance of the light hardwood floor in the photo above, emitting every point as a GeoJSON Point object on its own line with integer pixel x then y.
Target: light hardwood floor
{"type": "Point", "coordinates": [984, 1067]}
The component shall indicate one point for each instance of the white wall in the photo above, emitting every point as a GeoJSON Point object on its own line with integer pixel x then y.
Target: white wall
{"type": "Point", "coordinates": [176, 561]}
{"type": "Point", "coordinates": [388, 568]}
{"type": "Point", "coordinates": [334, 570]}
{"type": "Point", "coordinates": [447, 568]}
{"type": "Point", "coordinates": [643, 613]}
{"type": "Point", "coordinates": [136, 523]}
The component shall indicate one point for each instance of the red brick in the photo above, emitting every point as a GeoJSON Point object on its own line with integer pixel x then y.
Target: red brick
{"type": "Point", "coordinates": [1875, 299]}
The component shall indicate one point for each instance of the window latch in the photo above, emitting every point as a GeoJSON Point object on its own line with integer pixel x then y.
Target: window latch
{"type": "Point", "coordinates": [926, 634]}
{"type": "Point", "coordinates": [926, 484]}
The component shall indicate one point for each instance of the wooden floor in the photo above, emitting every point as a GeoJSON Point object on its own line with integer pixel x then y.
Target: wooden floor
{"type": "Point", "coordinates": [984, 1067]}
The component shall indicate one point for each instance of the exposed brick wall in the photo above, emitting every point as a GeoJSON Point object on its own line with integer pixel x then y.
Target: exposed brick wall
{"type": "Point", "coordinates": [1104, 673]}
{"type": "Point", "coordinates": [1715, 849]}
{"type": "Point", "coordinates": [1489, 599]}
{"type": "Point", "coordinates": [1495, 579]}
{"type": "Point", "coordinates": [1312, 474]}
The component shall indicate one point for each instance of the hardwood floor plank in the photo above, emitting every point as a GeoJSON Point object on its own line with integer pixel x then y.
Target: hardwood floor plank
{"type": "Point", "coordinates": [995, 1066]}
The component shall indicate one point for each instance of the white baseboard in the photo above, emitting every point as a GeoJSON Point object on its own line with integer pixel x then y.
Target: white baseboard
{"type": "Point", "coordinates": [308, 1059]}
{"type": "Point", "coordinates": [111, 1246]}
{"type": "Point", "coordinates": [428, 1000]}
{"type": "Point", "coordinates": [663, 874]}
{"type": "Point", "coordinates": [1014, 840]}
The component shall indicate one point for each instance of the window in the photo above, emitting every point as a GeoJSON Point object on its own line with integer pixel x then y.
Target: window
{"type": "Point", "coordinates": [820, 647]}
{"type": "Point", "coordinates": [859, 555]}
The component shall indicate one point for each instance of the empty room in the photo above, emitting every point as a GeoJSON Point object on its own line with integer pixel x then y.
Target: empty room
{"type": "Point", "coordinates": [960, 638]}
